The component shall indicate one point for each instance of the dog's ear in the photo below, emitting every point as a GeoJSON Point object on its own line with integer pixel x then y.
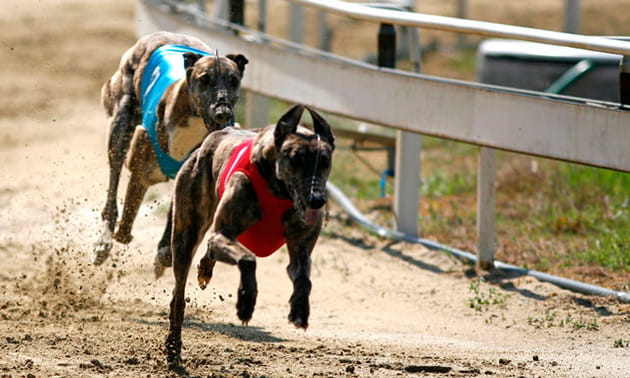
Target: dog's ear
{"type": "Point", "coordinates": [321, 127]}
{"type": "Point", "coordinates": [287, 124]}
{"type": "Point", "coordinates": [190, 59]}
{"type": "Point", "coordinates": [240, 61]}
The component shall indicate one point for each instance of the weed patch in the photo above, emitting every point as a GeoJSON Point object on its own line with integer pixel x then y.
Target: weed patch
{"type": "Point", "coordinates": [552, 319]}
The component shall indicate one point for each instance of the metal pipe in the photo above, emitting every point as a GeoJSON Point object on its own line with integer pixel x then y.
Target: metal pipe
{"type": "Point", "coordinates": [452, 24]}
{"type": "Point", "coordinates": [565, 283]}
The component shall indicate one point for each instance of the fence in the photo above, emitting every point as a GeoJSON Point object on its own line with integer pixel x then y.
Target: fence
{"type": "Point", "coordinates": [558, 127]}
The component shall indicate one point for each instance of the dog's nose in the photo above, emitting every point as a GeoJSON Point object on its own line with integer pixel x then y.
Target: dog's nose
{"type": "Point", "coordinates": [222, 117]}
{"type": "Point", "coordinates": [317, 201]}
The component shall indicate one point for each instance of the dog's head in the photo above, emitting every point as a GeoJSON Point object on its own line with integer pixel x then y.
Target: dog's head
{"type": "Point", "coordinates": [214, 83]}
{"type": "Point", "coordinates": [304, 159]}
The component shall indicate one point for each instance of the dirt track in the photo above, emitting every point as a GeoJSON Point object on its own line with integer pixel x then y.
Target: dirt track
{"type": "Point", "coordinates": [378, 309]}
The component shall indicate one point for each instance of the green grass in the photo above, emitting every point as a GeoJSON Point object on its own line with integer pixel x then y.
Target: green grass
{"type": "Point", "coordinates": [481, 299]}
{"type": "Point", "coordinates": [592, 203]}
{"type": "Point", "coordinates": [552, 319]}
{"type": "Point", "coordinates": [441, 183]}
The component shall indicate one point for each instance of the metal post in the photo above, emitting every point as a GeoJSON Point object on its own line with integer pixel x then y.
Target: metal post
{"type": "Point", "coordinates": [237, 11]}
{"type": "Point", "coordinates": [624, 81]}
{"type": "Point", "coordinates": [572, 16]}
{"type": "Point", "coordinates": [262, 16]}
{"type": "Point", "coordinates": [387, 46]}
{"type": "Point", "coordinates": [256, 105]}
{"type": "Point", "coordinates": [415, 55]}
{"type": "Point", "coordinates": [221, 9]}
{"type": "Point", "coordinates": [407, 197]}
{"type": "Point", "coordinates": [462, 12]}
{"type": "Point", "coordinates": [486, 174]}
{"type": "Point", "coordinates": [324, 32]}
{"type": "Point", "coordinates": [296, 23]}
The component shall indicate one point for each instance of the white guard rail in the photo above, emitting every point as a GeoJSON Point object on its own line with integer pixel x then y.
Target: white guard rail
{"type": "Point", "coordinates": [569, 129]}
{"type": "Point", "coordinates": [459, 25]}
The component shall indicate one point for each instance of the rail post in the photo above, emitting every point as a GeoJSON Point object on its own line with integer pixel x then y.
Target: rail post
{"type": "Point", "coordinates": [237, 12]}
{"type": "Point", "coordinates": [462, 12]}
{"type": "Point", "coordinates": [296, 23]}
{"type": "Point", "coordinates": [407, 164]}
{"type": "Point", "coordinates": [486, 175]}
{"type": "Point", "coordinates": [256, 105]}
{"type": "Point", "coordinates": [572, 16]}
{"type": "Point", "coordinates": [624, 80]}
{"type": "Point", "coordinates": [324, 38]}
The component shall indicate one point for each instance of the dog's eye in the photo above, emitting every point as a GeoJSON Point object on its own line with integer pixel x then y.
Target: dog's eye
{"type": "Point", "coordinates": [297, 160]}
{"type": "Point", "coordinates": [206, 80]}
{"type": "Point", "coordinates": [234, 81]}
{"type": "Point", "coordinates": [324, 163]}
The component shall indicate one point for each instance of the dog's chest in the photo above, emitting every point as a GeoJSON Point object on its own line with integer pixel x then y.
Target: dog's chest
{"type": "Point", "coordinates": [183, 138]}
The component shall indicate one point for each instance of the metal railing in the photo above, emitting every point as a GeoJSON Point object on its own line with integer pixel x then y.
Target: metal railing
{"type": "Point", "coordinates": [407, 163]}
{"type": "Point", "coordinates": [459, 25]}
{"type": "Point", "coordinates": [558, 127]}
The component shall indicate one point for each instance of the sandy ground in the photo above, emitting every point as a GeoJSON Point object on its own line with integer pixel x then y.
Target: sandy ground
{"type": "Point", "coordinates": [378, 308]}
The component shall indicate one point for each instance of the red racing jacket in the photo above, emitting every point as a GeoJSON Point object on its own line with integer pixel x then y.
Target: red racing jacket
{"type": "Point", "coordinates": [265, 236]}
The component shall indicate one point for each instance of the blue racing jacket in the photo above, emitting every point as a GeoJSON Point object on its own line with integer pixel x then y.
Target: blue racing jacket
{"type": "Point", "coordinates": [165, 66]}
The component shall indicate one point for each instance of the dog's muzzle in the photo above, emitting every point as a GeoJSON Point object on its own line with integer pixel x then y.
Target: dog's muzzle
{"type": "Point", "coordinates": [223, 114]}
{"type": "Point", "coordinates": [316, 200]}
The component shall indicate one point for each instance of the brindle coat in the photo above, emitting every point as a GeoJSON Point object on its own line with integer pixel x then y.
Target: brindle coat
{"type": "Point", "coordinates": [188, 110]}
{"type": "Point", "coordinates": [295, 163]}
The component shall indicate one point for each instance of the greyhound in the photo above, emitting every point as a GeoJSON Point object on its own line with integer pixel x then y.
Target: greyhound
{"type": "Point", "coordinates": [179, 92]}
{"type": "Point", "coordinates": [253, 191]}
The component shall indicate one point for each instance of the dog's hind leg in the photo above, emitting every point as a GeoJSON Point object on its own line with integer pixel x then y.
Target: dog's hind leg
{"type": "Point", "coordinates": [184, 242]}
{"type": "Point", "coordinates": [119, 139]}
{"type": "Point", "coordinates": [300, 243]}
{"type": "Point", "coordinates": [188, 228]}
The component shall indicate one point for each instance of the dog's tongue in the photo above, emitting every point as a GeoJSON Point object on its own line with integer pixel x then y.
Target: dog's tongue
{"type": "Point", "coordinates": [311, 216]}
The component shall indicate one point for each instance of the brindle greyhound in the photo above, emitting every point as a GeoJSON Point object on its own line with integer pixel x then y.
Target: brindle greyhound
{"type": "Point", "coordinates": [250, 210]}
{"type": "Point", "coordinates": [179, 92]}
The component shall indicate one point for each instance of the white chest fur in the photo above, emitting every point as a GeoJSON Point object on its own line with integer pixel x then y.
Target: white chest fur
{"type": "Point", "coordinates": [184, 138]}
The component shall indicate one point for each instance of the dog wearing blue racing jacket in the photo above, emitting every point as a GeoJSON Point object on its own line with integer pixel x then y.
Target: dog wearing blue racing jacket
{"type": "Point", "coordinates": [167, 94]}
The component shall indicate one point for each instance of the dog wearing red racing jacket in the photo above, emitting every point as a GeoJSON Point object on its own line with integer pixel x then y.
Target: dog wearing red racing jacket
{"type": "Point", "coordinates": [253, 191]}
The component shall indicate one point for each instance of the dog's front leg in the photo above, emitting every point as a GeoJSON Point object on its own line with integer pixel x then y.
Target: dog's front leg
{"type": "Point", "coordinates": [119, 139]}
{"type": "Point", "coordinates": [235, 213]}
{"type": "Point", "coordinates": [300, 242]}
{"type": "Point", "coordinates": [227, 250]}
{"type": "Point", "coordinates": [142, 163]}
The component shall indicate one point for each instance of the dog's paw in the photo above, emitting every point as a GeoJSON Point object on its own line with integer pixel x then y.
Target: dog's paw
{"type": "Point", "coordinates": [203, 281]}
{"type": "Point", "coordinates": [204, 271]}
{"type": "Point", "coordinates": [123, 237]}
{"type": "Point", "coordinates": [299, 319]}
{"type": "Point", "coordinates": [300, 308]}
{"type": "Point", "coordinates": [173, 353]}
{"type": "Point", "coordinates": [162, 261]}
{"type": "Point", "coordinates": [101, 250]}
{"type": "Point", "coordinates": [245, 305]}
{"type": "Point", "coordinates": [247, 291]}
{"type": "Point", "coordinates": [158, 268]}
